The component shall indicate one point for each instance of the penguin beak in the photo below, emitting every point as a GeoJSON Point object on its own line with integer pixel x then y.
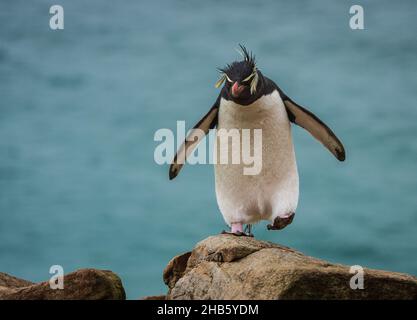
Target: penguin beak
{"type": "Point", "coordinates": [237, 89]}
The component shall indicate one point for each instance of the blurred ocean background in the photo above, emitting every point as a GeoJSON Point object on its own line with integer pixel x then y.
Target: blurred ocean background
{"type": "Point", "coordinates": [79, 108]}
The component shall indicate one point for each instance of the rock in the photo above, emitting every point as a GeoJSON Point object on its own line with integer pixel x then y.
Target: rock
{"type": "Point", "coordinates": [230, 267]}
{"type": "Point", "coordinates": [84, 284]}
{"type": "Point", "coordinates": [175, 269]}
{"type": "Point", "coordinates": [160, 297]}
{"type": "Point", "coordinates": [8, 281]}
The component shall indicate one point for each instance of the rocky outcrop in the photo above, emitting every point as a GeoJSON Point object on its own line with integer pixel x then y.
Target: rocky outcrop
{"type": "Point", "coordinates": [84, 284]}
{"type": "Point", "coordinates": [230, 267]}
{"type": "Point", "coordinates": [160, 297]}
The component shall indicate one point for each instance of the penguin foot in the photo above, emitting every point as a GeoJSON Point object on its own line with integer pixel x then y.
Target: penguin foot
{"type": "Point", "coordinates": [248, 230]}
{"type": "Point", "coordinates": [281, 223]}
{"type": "Point", "coordinates": [238, 233]}
{"type": "Point", "coordinates": [237, 230]}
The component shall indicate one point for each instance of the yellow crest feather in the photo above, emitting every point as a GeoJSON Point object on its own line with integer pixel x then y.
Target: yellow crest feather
{"type": "Point", "coordinates": [221, 80]}
{"type": "Point", "coordinates": [254, 82]}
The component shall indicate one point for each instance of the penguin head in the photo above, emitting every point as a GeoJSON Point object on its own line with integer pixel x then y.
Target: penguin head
{"type": "Point", "coordinates": [240, 78]}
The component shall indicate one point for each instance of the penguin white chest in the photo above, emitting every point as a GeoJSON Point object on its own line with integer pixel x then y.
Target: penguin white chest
{"type": "Point", "coordinates": [273, 192]}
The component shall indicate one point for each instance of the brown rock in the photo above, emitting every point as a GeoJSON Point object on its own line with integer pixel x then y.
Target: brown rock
{"type": "Point", "coordinates": [84, 284]}
{"type": "Point", "coordinates": [175, 269]}
{"type": "Point", "coordinates": [230, 267]}
{"type": "Point", "coordinates": [8, 281]}
{"type": "Point", "coordinates": [160, 297]}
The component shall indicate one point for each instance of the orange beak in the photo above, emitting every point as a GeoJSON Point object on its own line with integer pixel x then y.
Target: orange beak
{"type": "Point", "coordinates": [237, 89]}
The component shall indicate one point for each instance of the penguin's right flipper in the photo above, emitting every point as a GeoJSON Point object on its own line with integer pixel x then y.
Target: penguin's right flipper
{"type": "Point", "coordinates": [209, 121]}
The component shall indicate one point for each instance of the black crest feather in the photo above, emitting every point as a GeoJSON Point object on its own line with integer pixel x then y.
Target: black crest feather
{"type": "Point", "coordinates": [244, 70]}
{"type": "Point", "coordinates": [247, 55]}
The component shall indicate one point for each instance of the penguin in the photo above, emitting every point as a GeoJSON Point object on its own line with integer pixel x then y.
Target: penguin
{"type": "Point", "coordinates": [250, 100]}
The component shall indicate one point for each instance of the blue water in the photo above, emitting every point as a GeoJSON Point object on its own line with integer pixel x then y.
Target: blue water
{"type": "Point", "coordinates": [79, 107]}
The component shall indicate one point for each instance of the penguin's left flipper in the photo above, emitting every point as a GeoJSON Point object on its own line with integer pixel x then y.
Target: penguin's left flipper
{"type": "Point", "coordinates": [315, 126]}
{"type": "Point", "coordinates": [209, 121]}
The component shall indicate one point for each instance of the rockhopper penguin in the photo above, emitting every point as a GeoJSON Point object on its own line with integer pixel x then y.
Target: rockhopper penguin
{"type": "Point", "coordinates": [249, 100]}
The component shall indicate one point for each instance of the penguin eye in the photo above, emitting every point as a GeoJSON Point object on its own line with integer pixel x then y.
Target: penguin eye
{"type": "Point", "coordinates": [228, 79]}
{"type": "Point", "coordinates": [248, 78]}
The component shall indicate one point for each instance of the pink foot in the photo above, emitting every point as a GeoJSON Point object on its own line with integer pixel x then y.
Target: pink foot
{"type": "Point", "coordinates": [237, 228]}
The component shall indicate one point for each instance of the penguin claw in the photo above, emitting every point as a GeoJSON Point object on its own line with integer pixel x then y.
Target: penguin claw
{"type": "Point", "coordinates": [238, 234]}
{"type": "Point", "coordinates": [281, 223]}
